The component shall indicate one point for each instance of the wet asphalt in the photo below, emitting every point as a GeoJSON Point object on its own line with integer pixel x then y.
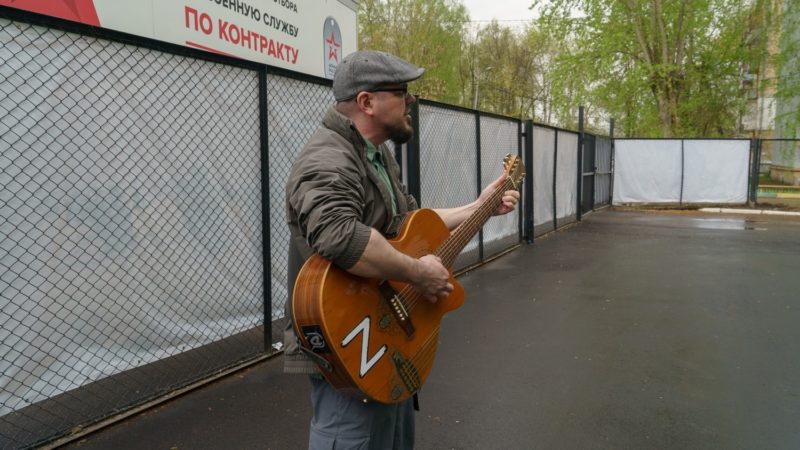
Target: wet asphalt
{"type": "Point", "coordinates": [630, 330]}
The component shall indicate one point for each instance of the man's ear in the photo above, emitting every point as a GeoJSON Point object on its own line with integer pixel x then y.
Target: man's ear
{"type": "Point", "coordinates": [364, 102]}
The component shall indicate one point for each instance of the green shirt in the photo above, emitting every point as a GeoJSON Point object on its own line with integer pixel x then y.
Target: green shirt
{"type": "Point", "coordinates": [375, 157]}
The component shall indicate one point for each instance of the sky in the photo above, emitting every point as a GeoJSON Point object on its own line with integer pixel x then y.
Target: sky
{"type": "Point", "coordinates": [507, 12]}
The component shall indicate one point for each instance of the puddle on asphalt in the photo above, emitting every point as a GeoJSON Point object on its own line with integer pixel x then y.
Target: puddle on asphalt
{"type": "Point", "coordinates": [724, 224]}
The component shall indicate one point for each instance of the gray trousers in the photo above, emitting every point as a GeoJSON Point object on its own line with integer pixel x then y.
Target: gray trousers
{"type": "Point", "coordinates": [342, 422]}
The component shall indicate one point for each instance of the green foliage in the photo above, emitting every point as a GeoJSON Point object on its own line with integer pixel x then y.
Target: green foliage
{"type": "Point", "coordinates": [494, 67]}
{"type": "Point", "coordinates": [502, 72]}
{"type": "Point", "coordinates": [428, 33]}
{"type": "Point", "coordinates": [788, 85]}
{"type": "Point", "coordinates": [661, 68]}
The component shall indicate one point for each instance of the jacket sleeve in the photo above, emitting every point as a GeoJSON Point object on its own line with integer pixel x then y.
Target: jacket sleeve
{"type": "Point", "coordinates": [327, 198]}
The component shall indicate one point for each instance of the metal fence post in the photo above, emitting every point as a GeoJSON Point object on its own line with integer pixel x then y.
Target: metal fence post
{"type": "Point", "coordinates": [611, 163]}
{"type": "Point", "coordinates": [478, 174]}
{"type": "Point", "coordinates": [265, 216]}
{"type": "Point", "coordinates": [594, 172]}
{"type": "Point", "coordinates": [413, 156]}
{"type": "Point", "coordinates": [579, 197]}
{"type": "Point", "coordinates": [555, 182]}
{"type": "Point", "coordinates": [683, 172]}
{"type": "Point", "coordinates": [750, 174]}
{"type": "Point", "coordinates": [756, 170]}
{"type": "Point", "coordinates": [527, 197]}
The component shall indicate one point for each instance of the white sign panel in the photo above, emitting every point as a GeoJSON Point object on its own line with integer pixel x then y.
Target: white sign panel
{"type": "Point", "coordinates": [300, 35]}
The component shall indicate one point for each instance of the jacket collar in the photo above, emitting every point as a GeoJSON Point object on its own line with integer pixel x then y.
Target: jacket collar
{"type": "Point", "coordinates": [341, 124]}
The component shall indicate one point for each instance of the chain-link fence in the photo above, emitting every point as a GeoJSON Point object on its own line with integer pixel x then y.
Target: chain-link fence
{"type": "Point", "coordinates": [587, 165]}
{"type": "Point", "coordinates": [136, 177]}
{"type": "Point", "coordinates": [602, 173]}
{"type": "Point", "coordinates": [499, 136]}
{"type": "Point", "coordinates": [461, 151]}
{"type": "Point", "coordinates": [566, 185]}
{"type": "Point", "coordinates": [296, 110]}
{"type": "Point", "coordinates": [776, 175]}
{"type": "Point", "coordinates": [131, 226]}
{"type": "Point", "coordinates": [555, 178]}
{"type": "Point", "coordinates": [448, 164]}
{"type": "Point", "coordinates": [544, 159]}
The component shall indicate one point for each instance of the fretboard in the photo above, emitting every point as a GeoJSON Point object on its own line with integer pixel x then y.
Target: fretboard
{"type": "Point", "coordinates": [460, 237]}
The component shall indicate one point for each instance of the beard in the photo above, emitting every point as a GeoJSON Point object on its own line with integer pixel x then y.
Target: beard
{"type": "Point", "coordinates": [401, 133]}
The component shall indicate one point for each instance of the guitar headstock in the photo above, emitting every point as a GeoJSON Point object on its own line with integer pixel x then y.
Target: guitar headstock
{"type": "Point", "coordinates": [514, 169]}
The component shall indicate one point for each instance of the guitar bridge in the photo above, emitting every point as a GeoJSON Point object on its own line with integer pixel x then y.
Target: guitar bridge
{"type": "Point", "coordinates": [398, 308]}
{"type": "Point", "coordinates": [408, 373]}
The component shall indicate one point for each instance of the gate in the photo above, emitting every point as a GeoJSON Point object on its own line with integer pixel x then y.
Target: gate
{"type": "Point", "coordinates": [588, 173]}
{"type": "Point", "coordinates": [775, 172]}
{"type": "Point", "coordinates": [602, 172]}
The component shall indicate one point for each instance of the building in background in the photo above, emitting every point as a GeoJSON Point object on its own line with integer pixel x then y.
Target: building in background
{"type": "Point", "coordinates": [786, 155]}
{"type": "Point", "coordinates": [760, 83]}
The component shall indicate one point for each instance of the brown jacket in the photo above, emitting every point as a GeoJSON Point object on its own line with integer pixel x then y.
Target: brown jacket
{"type": "Point", "coordinates": [333, 198]}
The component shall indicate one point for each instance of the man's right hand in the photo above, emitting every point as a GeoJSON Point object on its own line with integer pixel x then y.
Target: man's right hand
{"type": "Point", "coordinates": [431, 279]}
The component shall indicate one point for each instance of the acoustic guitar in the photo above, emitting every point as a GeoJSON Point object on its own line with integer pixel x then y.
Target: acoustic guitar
{"type": "Point", "coordinates": [378, 338]}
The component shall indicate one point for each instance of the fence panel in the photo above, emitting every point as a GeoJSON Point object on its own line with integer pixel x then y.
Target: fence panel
{"type": "Point", "coordinates": [544, 152]}
{"type": "Point", "coordinates": [295, 111]}
{"type": "Point", "coordinates": [448, 164]}
{"type": "Point", "coordinates": [131, 226]}
{"type": "Point", "coordinates": [681, 171]}
{"type": "Point", "coordinates": [647, 171]}
{"type": "Point", "coordinates": [715, 171]}
{"type": "Point", "coordinates": [499, 137]}
{"type": "Point", "coordinates": [566, 178]}
{"type": "Point", "coordinates": [588, 173]}
{"type": "Point", "coordinates": [780, 169]}
{"type": "Point", "coordinates": [785, 159]}
{"type": "Point", "coordinates": [602, 179]}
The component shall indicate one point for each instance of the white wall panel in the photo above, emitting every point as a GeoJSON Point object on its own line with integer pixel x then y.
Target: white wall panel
{"type": "Point", "coordinates": [567, 176]}
{"type": "Point", "coordinates": [544, 150]}
{"type": "Point", "coordinates": [647, 171]}
{"type": "Point", "coordinates": [715, 171]}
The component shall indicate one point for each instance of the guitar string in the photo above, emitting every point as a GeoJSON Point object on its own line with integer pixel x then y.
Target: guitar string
{"type": "Point", "coordinates": [448, 250]}
{"type": "Point", "coordinates": [411, 298]}
{"type": "Point", "coordinates": [423, 357]}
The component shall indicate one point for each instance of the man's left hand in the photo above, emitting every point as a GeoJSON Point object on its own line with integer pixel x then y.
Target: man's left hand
{"type": "Point", "coordinates": [508, 201]}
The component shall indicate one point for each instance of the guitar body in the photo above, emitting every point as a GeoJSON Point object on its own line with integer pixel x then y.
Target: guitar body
{"type": "Point", "coordinates": [379, 338]}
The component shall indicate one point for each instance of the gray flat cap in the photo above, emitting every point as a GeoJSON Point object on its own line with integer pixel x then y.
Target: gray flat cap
{"type": "Point", "coordinates": [366, 70]}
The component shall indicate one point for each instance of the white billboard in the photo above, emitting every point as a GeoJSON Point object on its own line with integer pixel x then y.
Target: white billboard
{"type": "Point", "coordinates": [301, 35]}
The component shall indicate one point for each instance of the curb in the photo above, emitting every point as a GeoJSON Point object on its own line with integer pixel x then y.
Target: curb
{"type": "Point", "coordinates": [768, 212]}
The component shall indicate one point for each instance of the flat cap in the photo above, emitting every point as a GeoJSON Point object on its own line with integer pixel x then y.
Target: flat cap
{"type": "Point", "coordinates": [366, 70]}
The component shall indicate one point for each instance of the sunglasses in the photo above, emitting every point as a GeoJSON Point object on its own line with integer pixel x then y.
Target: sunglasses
{"type": "Point", "coordinates": [400, 90]}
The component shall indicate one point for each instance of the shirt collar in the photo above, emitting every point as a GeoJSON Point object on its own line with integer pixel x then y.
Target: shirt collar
{"type": "Point", "coordinates": [373, 153]}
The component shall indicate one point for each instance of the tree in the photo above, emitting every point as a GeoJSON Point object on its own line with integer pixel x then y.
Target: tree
{"type": "Point", "coordinates": [788, 83]}
{"type": "Point", "coordinates": [428, 33]}
{"type": "Point", "coordinates": [502, 72]}
{"type": "Point", "coordinates": [662, 68]}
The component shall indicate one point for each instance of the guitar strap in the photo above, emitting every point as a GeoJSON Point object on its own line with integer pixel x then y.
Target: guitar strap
{"type": "Point", "coordinates": [322, 362]}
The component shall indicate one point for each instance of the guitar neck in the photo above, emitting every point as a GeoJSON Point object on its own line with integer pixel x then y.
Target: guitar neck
{"type": "Point", "coordinates": [460, 237]}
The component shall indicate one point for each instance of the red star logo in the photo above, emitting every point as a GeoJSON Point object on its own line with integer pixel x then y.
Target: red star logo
{"type": "Point", "coordinates": [333, 47]}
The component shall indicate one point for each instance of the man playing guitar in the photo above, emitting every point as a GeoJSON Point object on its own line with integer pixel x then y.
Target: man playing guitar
{"type": "Point", "coordinates": [343, 196]}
